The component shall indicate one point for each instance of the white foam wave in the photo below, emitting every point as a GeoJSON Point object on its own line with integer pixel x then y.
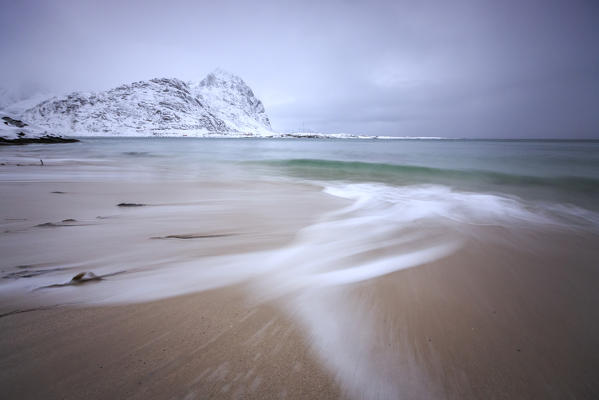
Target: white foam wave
{"type": "Point", "coordinates": [411, 203]}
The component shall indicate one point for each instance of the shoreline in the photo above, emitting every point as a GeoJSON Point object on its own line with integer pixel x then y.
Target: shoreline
{"type": "Point", "coordinates": [233, 282]}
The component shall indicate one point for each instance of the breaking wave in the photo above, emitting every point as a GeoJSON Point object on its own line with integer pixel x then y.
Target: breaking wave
{"type": "Point", "coordinates": [412, 174]}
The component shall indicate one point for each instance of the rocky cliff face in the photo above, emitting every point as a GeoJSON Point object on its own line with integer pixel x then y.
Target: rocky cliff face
{"type": "Point", "coordinates": [221, 103]}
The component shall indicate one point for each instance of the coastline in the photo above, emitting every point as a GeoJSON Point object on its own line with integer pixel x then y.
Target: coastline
{"type": "Point", "coordinates": [228, 280]}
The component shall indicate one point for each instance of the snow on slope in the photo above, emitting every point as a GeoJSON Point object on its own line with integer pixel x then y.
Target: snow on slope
{"type": "Point", "coordinates": [14, 131]}
{"type": "Point", "coordinates": [220, 104]}
{"type": "Point", "coordinates": [231, 100]}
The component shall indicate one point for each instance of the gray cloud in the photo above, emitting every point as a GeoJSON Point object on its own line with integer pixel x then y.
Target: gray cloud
{"type": "Point", "coordinates": [457, 69]}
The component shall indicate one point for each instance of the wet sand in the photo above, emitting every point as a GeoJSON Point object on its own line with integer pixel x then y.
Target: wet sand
{"type": "Point", "coordinates": [218, 343]}
{"type": "Point", "coordinates": [493, 322]}
{"type": "Point", "coordinates": [481, 325]}
{"type": "Point", "coordinates": [208, 345]}
{"type": "Point", "coordinates": [512, 314]}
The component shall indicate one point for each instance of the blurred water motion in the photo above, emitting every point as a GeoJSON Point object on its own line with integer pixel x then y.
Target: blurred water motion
{"type": "Point", "coordinates": [322, 237]}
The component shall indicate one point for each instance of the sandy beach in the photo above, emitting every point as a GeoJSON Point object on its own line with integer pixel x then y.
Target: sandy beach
{"type": "Point", "coordinates": [255, 287]}
{"type": "Point", "coordinates": [456, 331]}
{"type": "Point", "coordinates": [209, 345]}
{"type": "Point", "coordinates": [218, 343]}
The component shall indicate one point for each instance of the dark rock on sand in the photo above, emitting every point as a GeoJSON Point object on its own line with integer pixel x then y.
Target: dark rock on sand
{"type": "Point", "coordinates": [130, 205]}
{"type": "Point", "coordinates": [83, 277]}
{"type": "Point", "coordinates": [64, 222]}
{"type": "Point", "coordinates": [194, 236]}
{"type": "Point", "coordinates": [47, 225]}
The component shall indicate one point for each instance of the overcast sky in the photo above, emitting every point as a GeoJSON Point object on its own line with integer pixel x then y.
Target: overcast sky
{"type": "Point", "coordinates": [403, 68]}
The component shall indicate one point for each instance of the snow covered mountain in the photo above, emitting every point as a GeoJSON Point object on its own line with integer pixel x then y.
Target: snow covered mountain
{"type": "Point", "coordinates": [231, 100]}
{"type": "Point", "coordinates": [17, 132]}
{"type": "Point", "coordinates": [220, 104]}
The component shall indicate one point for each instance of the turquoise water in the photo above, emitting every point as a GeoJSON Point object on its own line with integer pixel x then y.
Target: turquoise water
{"type": "Point", "coordinates": [556, 171]}
{"type": "Point", "coordinates": [527, 158]}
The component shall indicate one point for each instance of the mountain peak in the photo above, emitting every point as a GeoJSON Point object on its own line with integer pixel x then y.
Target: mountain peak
{"type": "Point", "coordinates": [228, 97]}
{"type": "Point", "coordinates": [224, 74]}
{"type": "Point", "coordinates": [220, 103]}
{"type": "Point", "coordinates": [221, 78]}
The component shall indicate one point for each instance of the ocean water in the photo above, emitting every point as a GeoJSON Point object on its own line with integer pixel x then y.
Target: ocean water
{"type": "Point", "coordinates": [502, 161]}
{"type": "Point", "coordinates": [547, 171]}
{"type": "Point", "coordinates": [303, 222]}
